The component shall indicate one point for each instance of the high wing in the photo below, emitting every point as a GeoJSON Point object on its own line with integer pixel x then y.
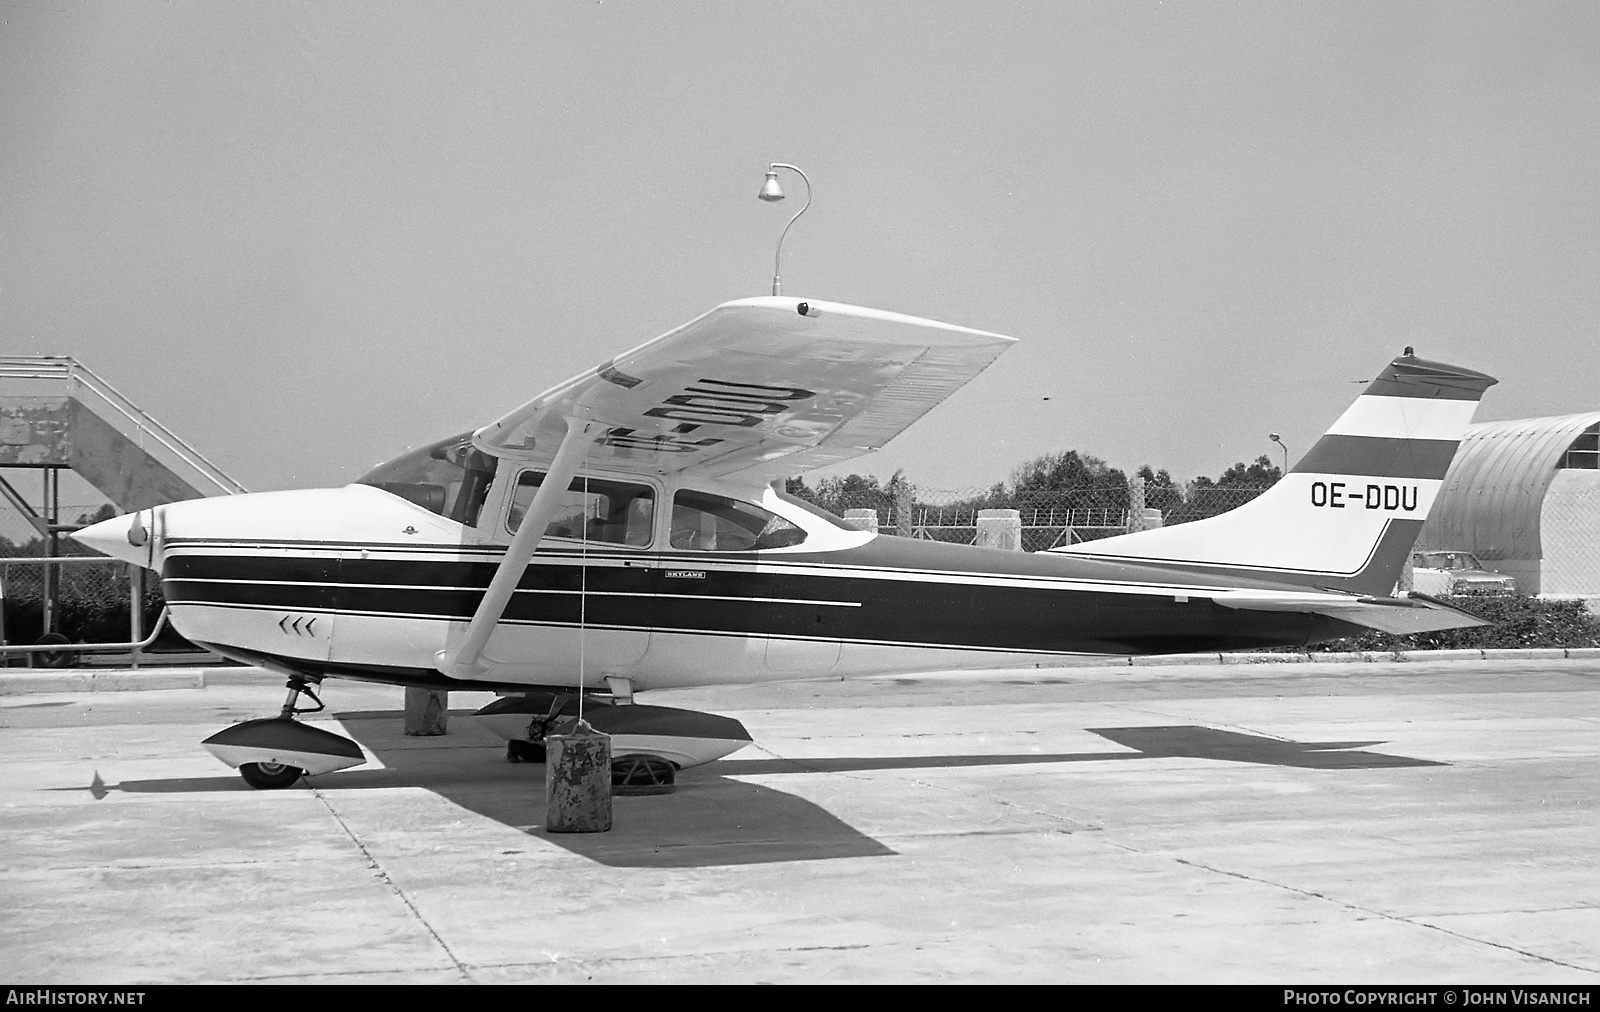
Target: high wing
{"type": "Point", "coordinates": [759, 388]}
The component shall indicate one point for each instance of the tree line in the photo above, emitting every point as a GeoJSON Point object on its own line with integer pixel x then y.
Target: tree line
{"type": "Point", "coordinates": [1066, 478]}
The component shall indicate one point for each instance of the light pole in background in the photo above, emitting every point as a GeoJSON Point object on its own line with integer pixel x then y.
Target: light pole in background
{"type": "Point", "coordinates": [772, 192]}
{"type": "Point", "coordinates": [1274, 437]}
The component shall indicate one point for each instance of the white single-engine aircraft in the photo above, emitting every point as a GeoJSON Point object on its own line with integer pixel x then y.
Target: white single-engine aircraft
{"type": "Point", "coordinates": [624, 531]}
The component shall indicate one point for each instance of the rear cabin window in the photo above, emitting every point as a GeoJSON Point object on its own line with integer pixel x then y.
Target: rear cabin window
{"type": "Point", "coordinates": [449, 478]}
{"type": "Point", "coordinates": [593, 509]}
{"type": "Point", "coordinates": [703, 522]}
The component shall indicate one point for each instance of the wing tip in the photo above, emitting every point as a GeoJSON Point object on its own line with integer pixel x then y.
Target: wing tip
{"type": "Point", "coordinates": [820, 309]}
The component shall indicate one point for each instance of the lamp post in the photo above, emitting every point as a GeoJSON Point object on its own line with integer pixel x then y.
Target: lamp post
{"type": "Point", "coordinates": [772, 193]}
{"type": "Point", "coordinates": [1274, 437]}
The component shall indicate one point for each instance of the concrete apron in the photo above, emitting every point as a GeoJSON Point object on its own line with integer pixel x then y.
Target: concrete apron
{"type": "Point", "coordinates": [1316, 822]}
{"type": "Point", "coordinates": [18, 681]}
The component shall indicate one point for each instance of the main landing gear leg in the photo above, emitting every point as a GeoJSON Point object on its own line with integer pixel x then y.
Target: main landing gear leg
{"type": "Point", "coordinates": [532, 750]}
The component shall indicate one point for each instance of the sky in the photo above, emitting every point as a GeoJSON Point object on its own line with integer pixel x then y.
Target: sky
{"type": "Point", "coordinates": [309, 236]}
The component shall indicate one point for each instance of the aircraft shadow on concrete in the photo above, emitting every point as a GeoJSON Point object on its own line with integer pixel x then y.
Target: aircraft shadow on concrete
{"type": "Point", "coordinates": [711, 819]}
{"type": "Point", "coordinates": [1178, 741]}
{"type": "Point", "coordinates": [1191, 741]}
{"type": "Point", "coordinates": [708, 820]}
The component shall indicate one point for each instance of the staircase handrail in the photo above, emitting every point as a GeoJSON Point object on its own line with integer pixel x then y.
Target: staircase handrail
{"type": "Point", "coordinates": [80, 376]}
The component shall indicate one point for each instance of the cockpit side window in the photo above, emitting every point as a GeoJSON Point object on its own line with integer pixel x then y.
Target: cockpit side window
{"type": "Point", "coordinates": [449, 478]}
{"type": "Point", "coordinates": [704, 522]}
{"type": "Point", "coordinates": [593, 509]}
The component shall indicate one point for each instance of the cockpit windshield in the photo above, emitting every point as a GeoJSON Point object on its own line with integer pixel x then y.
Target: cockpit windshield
{"type": "Point", "coordinates": [450, 478]}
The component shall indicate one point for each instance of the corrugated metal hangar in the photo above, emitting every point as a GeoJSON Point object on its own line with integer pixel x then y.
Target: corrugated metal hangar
{"type": "Point", "coordinates": [1524, 497]}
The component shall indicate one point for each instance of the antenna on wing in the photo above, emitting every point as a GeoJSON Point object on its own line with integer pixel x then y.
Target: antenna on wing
{"type": "Point", "coordinates": [772, 193]}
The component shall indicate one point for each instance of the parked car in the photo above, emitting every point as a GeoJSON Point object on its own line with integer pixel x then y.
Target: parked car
{"type": "Point", "coordinates": [1445, 574]}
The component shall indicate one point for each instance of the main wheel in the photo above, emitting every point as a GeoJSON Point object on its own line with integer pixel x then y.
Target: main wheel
{"type": "Point", "coordinates": [52, 658]}
{"type": "Point", "coordinates": [524, 752]}
{"type": "Point", "coordinates": [642, 774]}
{"type": "Point", "coordinates": [269, 776]}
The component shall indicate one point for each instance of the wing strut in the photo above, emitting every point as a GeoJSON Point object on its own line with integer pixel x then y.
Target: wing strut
{"type": "Point", "coordinates": [466, 662]}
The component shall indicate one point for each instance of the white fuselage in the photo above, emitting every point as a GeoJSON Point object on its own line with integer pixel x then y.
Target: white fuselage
{"type": "Point", "coordinates": [359, 581]}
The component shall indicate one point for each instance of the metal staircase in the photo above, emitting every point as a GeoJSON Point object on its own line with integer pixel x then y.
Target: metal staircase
{"type": "Point", "coordinates": [56, 413]}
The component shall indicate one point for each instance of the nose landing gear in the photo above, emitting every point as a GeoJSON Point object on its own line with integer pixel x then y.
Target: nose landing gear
{"type": "Point", "coordinates": [274, 752]}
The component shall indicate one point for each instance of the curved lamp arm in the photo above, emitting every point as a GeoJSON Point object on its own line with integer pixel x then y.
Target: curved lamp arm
{"type": "Point", "coordinates": [771, 191]}
{"type": "Point", "coordinates": [1274, 437]}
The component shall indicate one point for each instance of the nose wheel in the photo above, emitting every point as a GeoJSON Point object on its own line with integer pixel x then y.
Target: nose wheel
{"type": "Point", "coordinates": [270, 776]}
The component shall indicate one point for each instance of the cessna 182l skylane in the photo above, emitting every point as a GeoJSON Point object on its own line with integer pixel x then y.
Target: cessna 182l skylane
{"type": "Point", "coordinates": [623, 531]}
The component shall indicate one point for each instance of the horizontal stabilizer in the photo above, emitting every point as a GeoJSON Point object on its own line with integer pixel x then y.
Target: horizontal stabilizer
{"type": "Point", "coordinates": [1400, 616]}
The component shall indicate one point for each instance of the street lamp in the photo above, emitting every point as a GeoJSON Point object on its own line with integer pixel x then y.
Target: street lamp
{"type": "Point", "coordinates": [1274, 437]}
{"type": "Point", "coordinates": [772, 193]}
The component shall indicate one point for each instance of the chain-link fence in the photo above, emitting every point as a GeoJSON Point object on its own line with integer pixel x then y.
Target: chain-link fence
{"type": "Point", "coordinates": [92, 605]}
{"type": "Point", "coordinates": [1049, 519]}
{"type": "Point", "coordinates": [1199, 503]}
{"type": "Point", "coordinates": [1569, 536]}
{"type": "Point", "coordinates": [1569, 519]}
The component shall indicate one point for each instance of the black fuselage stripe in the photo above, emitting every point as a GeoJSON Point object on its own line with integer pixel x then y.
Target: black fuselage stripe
{"type": "Point", "coordinates": [592, 592]}
{"type": "Point", "coordinates": [990, 566]}
{"type": "Point", "coordinates": [950, 613]}
{"type": "Point", "coordinates": [578, 627]}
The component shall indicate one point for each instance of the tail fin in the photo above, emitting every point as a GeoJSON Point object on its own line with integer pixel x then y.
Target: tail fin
{"type": "Point", "coordinates": [1346, 516]}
